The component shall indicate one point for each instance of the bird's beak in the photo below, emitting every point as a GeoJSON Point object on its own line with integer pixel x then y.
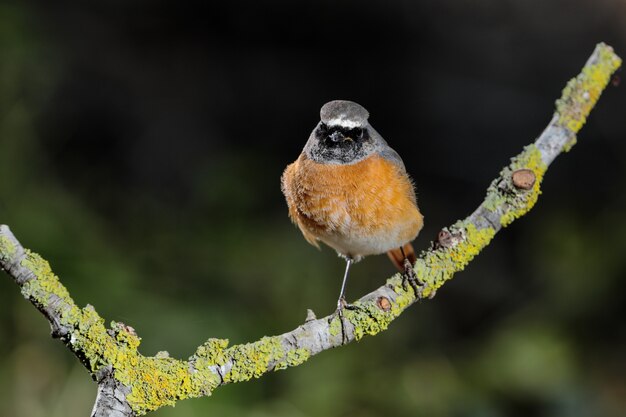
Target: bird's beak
{"type": "Point", "coordinates": [336, 136]}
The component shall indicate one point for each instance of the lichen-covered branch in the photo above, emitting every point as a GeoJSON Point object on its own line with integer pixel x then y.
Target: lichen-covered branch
{"type": "Point", "coordinates": [130, 383]}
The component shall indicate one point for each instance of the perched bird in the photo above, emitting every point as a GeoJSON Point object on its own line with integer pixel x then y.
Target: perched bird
{"type": "Point", "coordinates": [350, 190]}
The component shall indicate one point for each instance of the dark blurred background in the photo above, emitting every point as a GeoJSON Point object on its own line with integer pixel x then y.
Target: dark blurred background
{"type": "Point", "coordinates": [141, 146]}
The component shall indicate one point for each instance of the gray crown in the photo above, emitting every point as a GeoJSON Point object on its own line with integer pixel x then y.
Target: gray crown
{"type": "Point", "coordinates": [343, 113]}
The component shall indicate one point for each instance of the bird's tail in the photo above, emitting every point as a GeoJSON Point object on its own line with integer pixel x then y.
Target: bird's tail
{"type": "Point", "coordinates": [397, 258]}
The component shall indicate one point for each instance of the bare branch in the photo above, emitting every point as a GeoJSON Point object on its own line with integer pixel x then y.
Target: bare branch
{"type": "Point", "coordinates": [132, 384]}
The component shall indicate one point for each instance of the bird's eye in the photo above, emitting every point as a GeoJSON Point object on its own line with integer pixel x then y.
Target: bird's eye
{"type": "Point", "coordinates": [322, 130]}
{"type": "Point", "coordinates": [356, 133]}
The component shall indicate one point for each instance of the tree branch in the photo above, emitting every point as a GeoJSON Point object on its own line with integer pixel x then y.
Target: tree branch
{"type": "Point", "coordinates": [131, 384]}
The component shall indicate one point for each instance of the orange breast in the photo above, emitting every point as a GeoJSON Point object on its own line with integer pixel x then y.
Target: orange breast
{"type": "Point", "coordinates": [360, 209]}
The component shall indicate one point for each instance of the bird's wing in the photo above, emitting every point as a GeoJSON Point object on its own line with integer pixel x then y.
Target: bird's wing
{"type": "Point", "coordinates": [384, 150]}
{"type": "Point", "coordinates": [289, 189]}
{"type": "Point", "coordinates": [391, 155]}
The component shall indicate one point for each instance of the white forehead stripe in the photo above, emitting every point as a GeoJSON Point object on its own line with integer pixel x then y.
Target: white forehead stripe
{"type": "Point", "coordinates": [350, 124]}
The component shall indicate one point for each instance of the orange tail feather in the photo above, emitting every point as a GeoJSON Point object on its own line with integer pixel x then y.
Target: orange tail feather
{"type": "Point", "coordinates": [398, 259]}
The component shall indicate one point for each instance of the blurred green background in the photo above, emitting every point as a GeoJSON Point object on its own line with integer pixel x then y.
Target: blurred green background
{"type": "Point", "coordinates": [141, 146]}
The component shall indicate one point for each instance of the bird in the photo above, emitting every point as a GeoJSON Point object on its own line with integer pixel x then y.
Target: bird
{"type": "Point", "coordinates": [350, 190]}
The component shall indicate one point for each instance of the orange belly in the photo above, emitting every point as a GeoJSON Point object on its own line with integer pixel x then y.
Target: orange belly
{"type": "Point", "coordinates": [361, 209]}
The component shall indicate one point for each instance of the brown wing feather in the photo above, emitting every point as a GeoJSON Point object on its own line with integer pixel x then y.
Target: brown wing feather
{"type": "Point", "coordinates": [288, 188]}
{"type": "Point", "coordinates": [398, 260]}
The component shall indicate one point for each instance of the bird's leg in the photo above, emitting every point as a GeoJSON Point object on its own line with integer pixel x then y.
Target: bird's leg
{"type": "Point", "coordinates": [410, 278]}
{"type": "Point", "coordinates": [341, 301]}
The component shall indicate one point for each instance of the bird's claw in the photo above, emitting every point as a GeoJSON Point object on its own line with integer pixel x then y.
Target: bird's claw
{"type": "Point", "coordinates": [409, 278]}
{"type": "Point", "coordinates": [343, 305]}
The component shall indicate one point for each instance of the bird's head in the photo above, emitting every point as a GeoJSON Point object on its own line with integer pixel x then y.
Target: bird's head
{"type": "Point", "coordinates": [343, 135]}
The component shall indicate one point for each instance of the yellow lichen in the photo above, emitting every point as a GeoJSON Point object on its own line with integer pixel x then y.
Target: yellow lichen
{"type": "Point", "coordinates": [156, 382]}
{"type": "Point", "coordinates": [293, 357]}
{"type": "Point", "coordinates": [582, 92]}
{"type": "Point", "coordinates": [211, 351]}
{"type": "Point", "coordinates": [125, 335]}
{"type": "Point", "coordinates": [518, 201]}
{"type": "Point", "coordinates": [404, 298]}
{"type": "Point", "coordinates": [368, 319]}
{"type": "Point", "coordinates": [7, 248]}
{"type": "Point", "coordinates": [508, 201]}
{"type": "Point", "coordinates": [437, 266]}
{"type": "Point", "coordinates": [334, 327]}
{"type": "Point", "coordinates": [254, 359]}
{"type": "Point", "coordinates": [46, 285]}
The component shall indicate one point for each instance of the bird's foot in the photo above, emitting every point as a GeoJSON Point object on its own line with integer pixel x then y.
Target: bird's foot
{"type": "Point", "coordinates": [341, 305]}
{"type": "Point", "coordinates": [409, 278]}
